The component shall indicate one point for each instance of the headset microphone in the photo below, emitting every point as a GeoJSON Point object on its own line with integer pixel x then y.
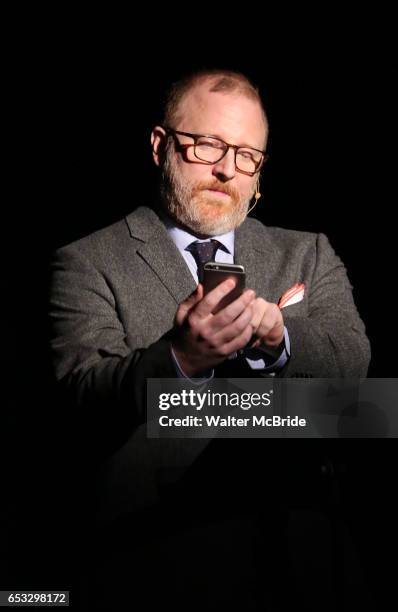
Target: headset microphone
{"type": "Point", "coordinates": [257, 196]}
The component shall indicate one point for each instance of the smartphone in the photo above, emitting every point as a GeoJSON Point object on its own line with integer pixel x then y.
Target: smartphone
{"type": "Point", "coordinates": [215, 273]}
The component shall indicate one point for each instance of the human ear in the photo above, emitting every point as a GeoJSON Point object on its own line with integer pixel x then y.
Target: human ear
{"type": "Point", "coordinates": [158, 142]}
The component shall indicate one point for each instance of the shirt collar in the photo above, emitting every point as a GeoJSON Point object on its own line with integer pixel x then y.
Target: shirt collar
{"type": "Point", "coordinates": [182, 237]}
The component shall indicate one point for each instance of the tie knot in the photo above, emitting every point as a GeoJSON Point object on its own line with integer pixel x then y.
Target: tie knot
{"type": "Point", "coordinates": [202, 253]}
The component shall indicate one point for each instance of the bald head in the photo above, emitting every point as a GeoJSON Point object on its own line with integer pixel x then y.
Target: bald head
{"type": "Point", "coordinates": [210, 81]}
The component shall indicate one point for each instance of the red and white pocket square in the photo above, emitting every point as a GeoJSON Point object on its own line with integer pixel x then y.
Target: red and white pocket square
{"type": "Point", "coordinates": [292, 296]}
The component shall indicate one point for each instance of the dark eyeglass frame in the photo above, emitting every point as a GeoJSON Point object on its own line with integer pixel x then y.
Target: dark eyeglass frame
{"type": "Point", "coordinates": [184, 147]}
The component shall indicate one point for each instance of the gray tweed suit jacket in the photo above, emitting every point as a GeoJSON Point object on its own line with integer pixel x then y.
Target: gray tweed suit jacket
{"type": "Point", "coordinates": [114, 295]}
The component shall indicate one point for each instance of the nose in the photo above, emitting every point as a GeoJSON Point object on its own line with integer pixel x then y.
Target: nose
{"type": "Point", "coordinates": [225, 169]}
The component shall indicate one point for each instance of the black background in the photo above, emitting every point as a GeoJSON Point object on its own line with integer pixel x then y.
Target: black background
{"type": "Point", "coordinates": [82, 102]}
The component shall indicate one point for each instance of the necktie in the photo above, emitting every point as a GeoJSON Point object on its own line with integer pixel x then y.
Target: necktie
{"type": "Point", "coordinates": [203, 252]}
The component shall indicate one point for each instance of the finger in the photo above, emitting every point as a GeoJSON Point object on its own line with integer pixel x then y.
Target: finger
{"type": "Point", "coordinates": [271, 329]}
{"type": "Point", "coordinates": [186, 306]}
{"type": "Point", "coordinates": [231, 312]}
{"type": "Point", "coordinates": [211, 299]}
{"type": "Point", "coordinates": [234, 329]}
{"type": "Point", "coordinates": [238, 342]}
{"type": "Point", "coordinates": [277, 331]}
{"type": "Point", "coordinates": [260, 308]}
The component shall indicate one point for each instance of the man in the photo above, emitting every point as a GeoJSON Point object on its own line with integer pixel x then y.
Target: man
{"type": "Point", "coordinates": [126, 304]}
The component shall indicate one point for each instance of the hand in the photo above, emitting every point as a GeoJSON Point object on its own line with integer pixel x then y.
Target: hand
{"type": "Point", "coordinates": [267, 323]}
{"type": "Point", "coordinates": [202, 340]}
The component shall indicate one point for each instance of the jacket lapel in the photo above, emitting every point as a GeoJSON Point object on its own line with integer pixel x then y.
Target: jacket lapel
{"type": "Point", "coordinates": [256, 250]}
{"type": "Point", "coordinates": [160, 253]}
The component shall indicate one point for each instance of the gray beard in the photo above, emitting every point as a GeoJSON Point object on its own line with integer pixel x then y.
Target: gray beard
{"type": "Point", "coordinates": [177, 197]}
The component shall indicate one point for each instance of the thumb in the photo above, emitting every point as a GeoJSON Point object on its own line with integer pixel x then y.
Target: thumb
{"type": "Point", "coordinates": [186, 306]}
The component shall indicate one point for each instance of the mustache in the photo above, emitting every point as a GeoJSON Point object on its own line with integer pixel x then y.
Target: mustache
{"type": "Point", "coordinates": [217, 185]}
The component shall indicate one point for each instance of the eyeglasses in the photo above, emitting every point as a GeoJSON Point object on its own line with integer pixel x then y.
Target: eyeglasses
{"type": "Point", "coordinates": [210, 150]}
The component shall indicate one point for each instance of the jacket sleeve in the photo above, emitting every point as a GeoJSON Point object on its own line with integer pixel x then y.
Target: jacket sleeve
{"type": "Point", "coordinates": [330, 342]}
{"type": "Point", "coordinates": [92, 362]}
